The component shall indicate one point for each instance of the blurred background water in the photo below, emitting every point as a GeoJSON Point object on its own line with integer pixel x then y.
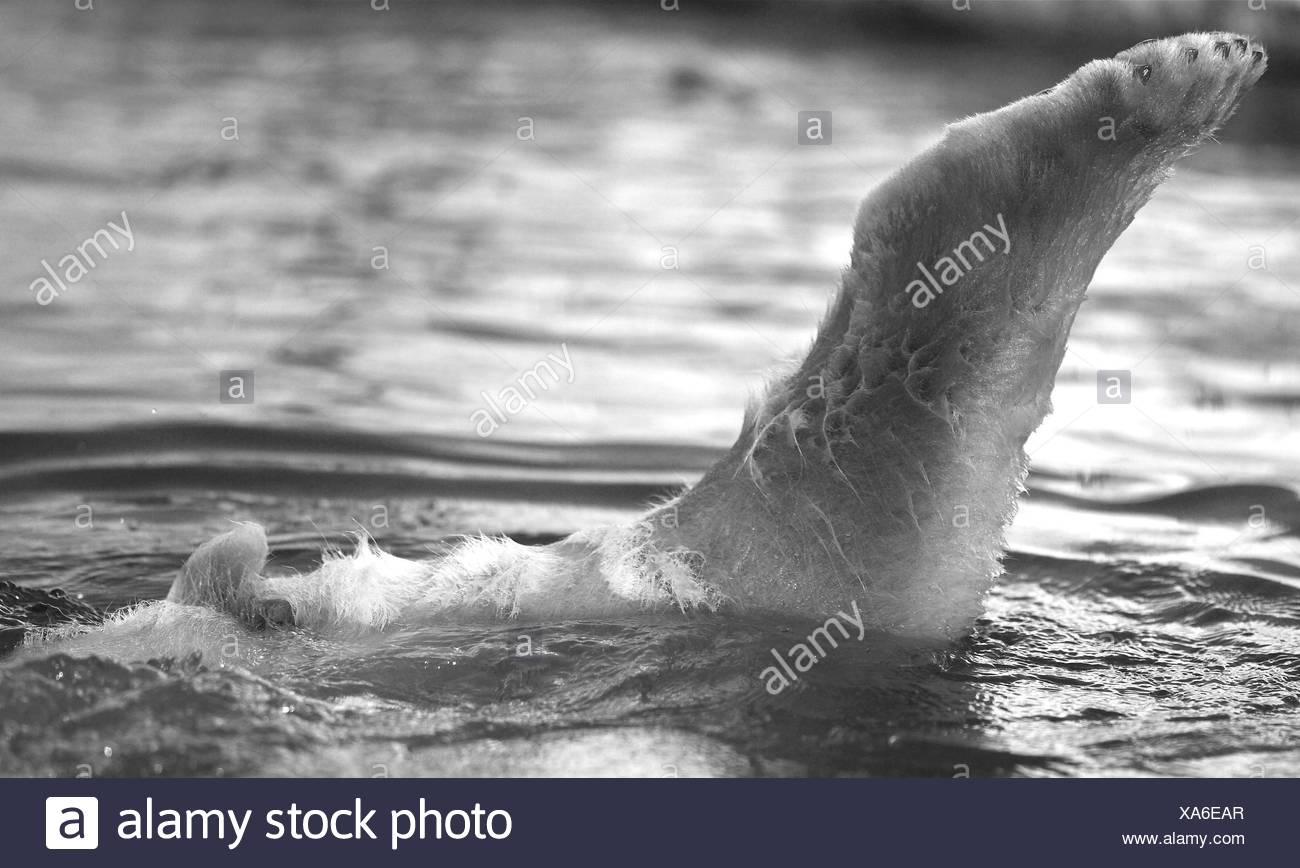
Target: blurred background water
{"type": "Point", "coordinates": [383, 243]}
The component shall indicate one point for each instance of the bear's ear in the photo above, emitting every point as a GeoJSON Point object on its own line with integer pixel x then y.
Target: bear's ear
{"type": "Point", "coordinates": [212, 574]}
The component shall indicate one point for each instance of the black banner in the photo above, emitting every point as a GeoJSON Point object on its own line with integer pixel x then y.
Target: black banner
{"type": "Point", "coordinates": [652, 822]}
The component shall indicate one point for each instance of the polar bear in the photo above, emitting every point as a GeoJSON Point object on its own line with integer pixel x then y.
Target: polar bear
{"type": "Point", "coordinates": [882, 469]}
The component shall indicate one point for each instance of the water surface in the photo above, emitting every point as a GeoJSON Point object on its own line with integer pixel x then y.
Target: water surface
{"type": "Point", "coordinates": [1149, 620]}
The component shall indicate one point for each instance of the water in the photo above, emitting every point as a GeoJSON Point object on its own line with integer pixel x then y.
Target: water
{"type": "Point", "coordinates": [1149, 620]}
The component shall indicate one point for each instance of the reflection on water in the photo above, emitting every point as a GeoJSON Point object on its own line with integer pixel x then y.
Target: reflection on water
{"type": "Point", "coordinates": [381, 247]}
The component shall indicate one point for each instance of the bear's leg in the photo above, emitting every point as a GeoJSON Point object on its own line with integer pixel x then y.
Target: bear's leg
{"type": "Point", "coordinates": [885, 467]}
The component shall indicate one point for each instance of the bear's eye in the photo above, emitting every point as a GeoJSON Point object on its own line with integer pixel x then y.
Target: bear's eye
{"type": "Point", "coordinates": [1143, 72]}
